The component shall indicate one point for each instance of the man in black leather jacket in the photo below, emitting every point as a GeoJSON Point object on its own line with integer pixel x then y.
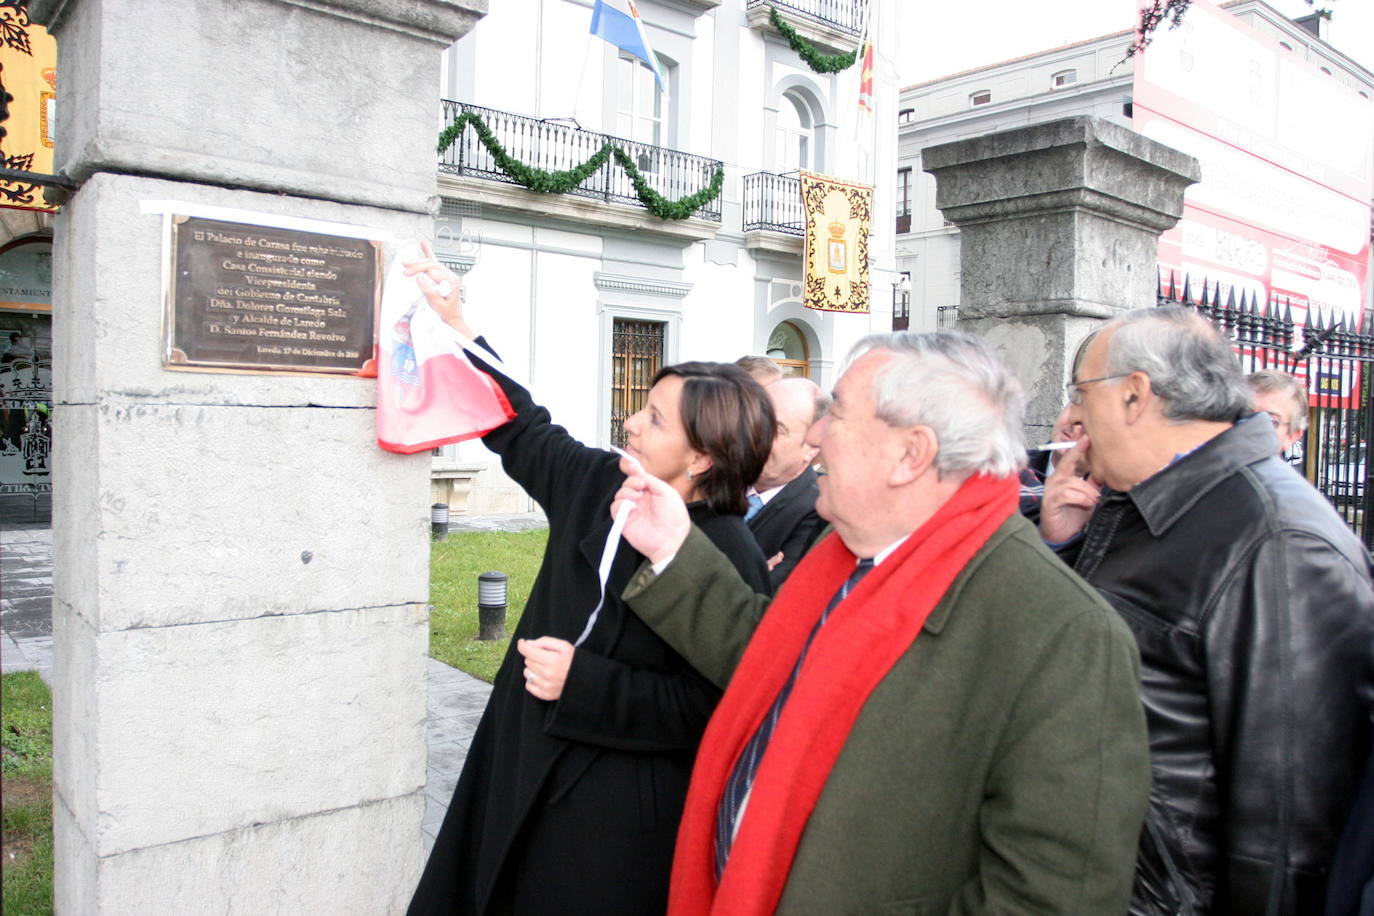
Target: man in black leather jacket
{"type": "Point", "coordinates": [1252, 606]}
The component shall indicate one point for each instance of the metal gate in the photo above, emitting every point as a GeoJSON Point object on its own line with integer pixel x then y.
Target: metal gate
{"type": "Point", "coordinates": [25, 421]}
{"type": "Point", "coordinates": [1332, 355]}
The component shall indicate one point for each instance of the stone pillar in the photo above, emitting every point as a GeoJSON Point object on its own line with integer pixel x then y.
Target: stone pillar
{"type": "Point", "coordinates": [1059, 229]}
{"type": "Point", "coordinates": [240, 573]}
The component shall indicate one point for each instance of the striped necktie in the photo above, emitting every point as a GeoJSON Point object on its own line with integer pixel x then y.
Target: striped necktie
{"type": "Point", "coordinates": [755, 504]}
{"type": "Point", "coordinates": [741, 780]}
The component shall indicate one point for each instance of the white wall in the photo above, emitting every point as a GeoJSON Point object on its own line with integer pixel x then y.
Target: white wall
{"type": "Point", "coordinates": [533, 289]}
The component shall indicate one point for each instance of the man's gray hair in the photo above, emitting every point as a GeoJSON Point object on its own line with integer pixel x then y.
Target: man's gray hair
{"type": "Point", "coordinates": [961, 389]}
{"type": "Point", "coordinates": [1190, 364]}
{"type": "Point", "coordinates": [1266, 381]}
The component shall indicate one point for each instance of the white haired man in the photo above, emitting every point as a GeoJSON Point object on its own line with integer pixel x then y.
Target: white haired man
{"type": "Point", "coordinates": [933, 715]}
{"type": "Point", "coordinates": [1252, 607]}
{"type": "Point", "coordinates": [1282, 398]}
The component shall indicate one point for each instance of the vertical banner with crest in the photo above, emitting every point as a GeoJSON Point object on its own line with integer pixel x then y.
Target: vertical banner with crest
{"type": "Point", "coordinates": [28, 72]}
{"type": "Point", "coordinates": [835, 273]}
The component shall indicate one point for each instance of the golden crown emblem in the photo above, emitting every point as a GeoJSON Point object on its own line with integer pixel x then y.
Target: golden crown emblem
{"type": "Point", "coordinates": [836, 229]}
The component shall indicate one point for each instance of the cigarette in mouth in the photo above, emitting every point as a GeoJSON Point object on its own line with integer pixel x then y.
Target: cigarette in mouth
{"type": "Point", "coordinates": [1056, 446]}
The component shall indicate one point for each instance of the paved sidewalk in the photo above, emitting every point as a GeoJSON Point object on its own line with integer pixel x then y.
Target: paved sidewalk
{"type": "Point", "coordinates": [525, 521]}
{"type": "Point", "coordinates": [455, 704]}
{"type": "Point", "coordinates": [455, 701]}
{"type": "Point", "coordinates": [26, 600]}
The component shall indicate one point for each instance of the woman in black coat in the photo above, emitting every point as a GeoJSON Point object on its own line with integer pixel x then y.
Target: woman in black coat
{"type": "Point", "coordinates": [572, 789]}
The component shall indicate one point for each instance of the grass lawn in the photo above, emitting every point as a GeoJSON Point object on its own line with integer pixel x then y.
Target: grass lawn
{"type": "Point", "coordinates": [454, 566]}
{"type": "Point", "coordinates": [26, 783]}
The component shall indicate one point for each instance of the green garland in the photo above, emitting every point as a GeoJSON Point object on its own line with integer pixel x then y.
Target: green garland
{"type": "Point", "coordinates": [545, 182]}
{"type": "Point", "coordinates": [659, 205]}
{"type": "Point", "coordinates": [821, 63]}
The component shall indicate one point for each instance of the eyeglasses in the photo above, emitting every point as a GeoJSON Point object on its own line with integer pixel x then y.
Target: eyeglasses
{"type": "Point", "coordinates": [1075, 389]}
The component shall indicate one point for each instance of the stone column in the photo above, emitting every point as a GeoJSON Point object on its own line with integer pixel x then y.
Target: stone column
{"type": "Point", "coordinates": [1059, 229]}
{"type": "Point", "coordinates": [240, 573]}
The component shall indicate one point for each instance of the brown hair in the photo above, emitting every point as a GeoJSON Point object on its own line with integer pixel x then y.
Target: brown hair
{"type": "Point", "coordinates": [729, 418]}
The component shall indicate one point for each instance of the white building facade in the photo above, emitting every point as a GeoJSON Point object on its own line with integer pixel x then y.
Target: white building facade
{"type": "Point", "coordinates": [1091, 77]}
{"type": "Point", "coordinates": [586, 292]}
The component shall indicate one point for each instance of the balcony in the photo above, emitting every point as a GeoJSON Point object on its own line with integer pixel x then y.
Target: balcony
{"type": "Point", "coordinates": [468, 170]}
{"type": "Point", "coordinates": [836, 24]}
{"type": "Point", "coordinates": [773, 217]}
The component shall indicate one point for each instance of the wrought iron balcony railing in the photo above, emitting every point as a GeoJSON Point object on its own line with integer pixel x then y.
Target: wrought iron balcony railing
{"type": "Point", "coordinates": [844, 15]}
{"type": "Point", "coordinates": [773, 202]}
{"type": "Point", "coordinates": [554, 146]}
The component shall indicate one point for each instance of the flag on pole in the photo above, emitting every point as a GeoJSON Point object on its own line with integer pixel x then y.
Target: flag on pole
{"type": "Point", "coordinates": [428, 393]}
{"type": "Point", "coordinates": [866, 79]}
{"type": "Point", "coordinates": [626, 32]}
{"type": "Point", "coordinates": [865, 121]}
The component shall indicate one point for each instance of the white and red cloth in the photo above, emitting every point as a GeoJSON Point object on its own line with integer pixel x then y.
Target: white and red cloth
{"type": "Point", "coordinates": [428, 392]}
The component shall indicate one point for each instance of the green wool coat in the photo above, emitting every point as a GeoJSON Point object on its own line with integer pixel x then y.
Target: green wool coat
{"type": "Point", "coordinates": [1001, 766]}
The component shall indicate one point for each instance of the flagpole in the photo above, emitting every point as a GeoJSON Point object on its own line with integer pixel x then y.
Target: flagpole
{"type": "Point", "coordinates": [873, 95]}
{"type": "Point", "coordinates": [864, 158]}
{"type": "Point", "coordinates": [577, 93]}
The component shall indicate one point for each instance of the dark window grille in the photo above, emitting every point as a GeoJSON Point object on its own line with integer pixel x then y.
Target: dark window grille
{"type": "Point", "coordinates": [946, 316]}
{"type": "Point", "coordinates": [556, 147]}
{"type": "Point", "coordinates": [1334, 353]}
{"type": "Point", "coordinates": [636, 356]}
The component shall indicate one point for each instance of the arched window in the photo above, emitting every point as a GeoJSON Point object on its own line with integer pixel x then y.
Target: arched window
{"type": "Point", "coordinates": [787, 347]}
{"type": "Point", "coordinates": [796, 134]}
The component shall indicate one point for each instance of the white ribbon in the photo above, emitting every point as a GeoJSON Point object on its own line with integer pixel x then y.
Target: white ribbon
{"type": "Point", "coordinates": [608, 550]}
{"type": "Point", "coordinates": [607, 557]}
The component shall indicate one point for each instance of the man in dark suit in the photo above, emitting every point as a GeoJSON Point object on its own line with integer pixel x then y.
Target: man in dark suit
{"type": "Point", "coordinates": [782, 503]}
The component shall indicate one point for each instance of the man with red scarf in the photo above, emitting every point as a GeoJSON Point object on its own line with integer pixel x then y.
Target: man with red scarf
{"type": "Point", "coordinates": [933, 715]}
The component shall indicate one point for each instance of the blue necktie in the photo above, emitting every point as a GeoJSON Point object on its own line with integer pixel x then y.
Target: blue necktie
{"type": "Point", "coordinates": [755, 504]}
{"type": "Point", "coordinates": [742, 776]}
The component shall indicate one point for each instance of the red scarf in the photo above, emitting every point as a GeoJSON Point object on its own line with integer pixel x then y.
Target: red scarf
{"type": "Point", "coordinates": [864, 637]}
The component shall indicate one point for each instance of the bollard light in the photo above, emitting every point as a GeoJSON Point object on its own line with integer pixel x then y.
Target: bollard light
{"type": "Point", "coordinates": [491, 605]}
{"type": "Point", "coordinates": [438, 521]}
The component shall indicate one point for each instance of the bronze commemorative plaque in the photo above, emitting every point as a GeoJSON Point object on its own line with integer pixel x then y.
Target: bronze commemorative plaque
{"type": "Point", "coordinates": [252, 297]}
